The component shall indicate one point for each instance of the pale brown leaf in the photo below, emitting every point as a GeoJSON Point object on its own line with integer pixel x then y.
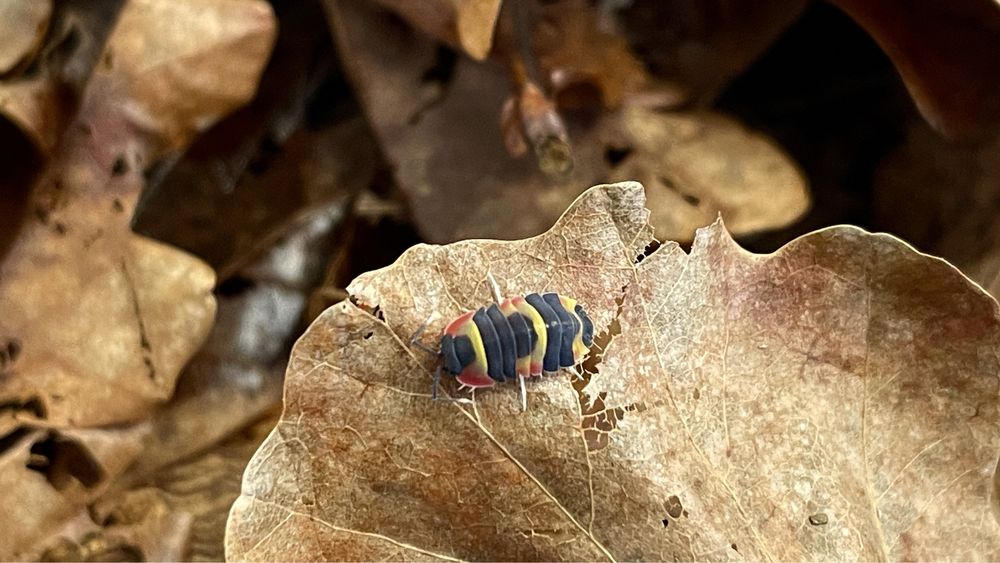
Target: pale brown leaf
{"type": "Point", "coordinates": [205, 62]}
{"type": "Point", "coordinates": [837, 400]}
{"type": "Point", "coordinates": [41, 95]}
{"type": "Point", "coordinates": [97, 321]}
{"type": "Point", "coordinates": [25, 23]}
{"type": "Point", "coordinates": [48, 474]}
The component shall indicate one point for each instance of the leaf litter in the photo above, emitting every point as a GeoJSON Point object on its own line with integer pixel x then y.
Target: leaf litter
{"type": "Point", "coordinates": [101, 104]}
{"type": "Point", "coordinates": [118, 315]}
{"type": "Point", "coordinates": [438, 119]}
{"type": "Point", "coordinates": [811, 403]}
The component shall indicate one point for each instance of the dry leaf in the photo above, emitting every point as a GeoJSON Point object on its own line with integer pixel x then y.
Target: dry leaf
{"type": "Point", "coordinates": [206, 62]}
{"type": "Point", "coordinates": [41, 97]}
{"type": "Point", "coordinates": [815, 403]}
{"type": "Point", "coordinates": [701, 46]}
{"type": "Point", "coordinates": [449, 149]}
{"type": "Point", "coordinates": [466, 24]}
{"type": "Point", "coordinates": [952, 197]}
{"type": "Point", "coordinates": [48, 474]}
{"type": "Point", "coordinates": [76, 268]}
{"type": "Point", "coordinates": [948, 54]}
{"type": "Point", "coordinates": [97, 321]}
{"type": "Point", "coordinates": [25, 24]}
{"type": "Point", "coordinates": [573, 51]}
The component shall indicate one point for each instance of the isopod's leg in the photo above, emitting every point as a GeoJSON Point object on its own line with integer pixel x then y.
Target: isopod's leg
{"type": "Point", "coordinates": [415, 339]}
{"type": "Point", "coordinates": [437, 382]}
{"type": "Point", "coordinates": [494, 287]}
{"type": "Point", "coordinates": [524, 393]}
{"type": "Point", "coordinates": [575, 370]}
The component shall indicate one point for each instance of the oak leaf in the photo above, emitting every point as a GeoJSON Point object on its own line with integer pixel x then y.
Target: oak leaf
{"type": "Point", "coordinates": [837, 399]}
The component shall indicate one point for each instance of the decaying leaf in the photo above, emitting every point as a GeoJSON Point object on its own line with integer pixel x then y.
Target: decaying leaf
{"type": "Point", "coordinates": [41, 94]}
{"type": "Point", "coordinates": [25, 23]}
{"type": "Point", "coordinates": [48, 474]}
{"type": "Point", "coordinates": [952, 197]}
{"type": "Point", "coordinates": [76, 268]}
{"type": "Point", "coordinates": [701, 46]}
{"type": "Point", "coordinates": [947, 54]}
{"type": "Point", "coordinates": [837, 399]}
{"type": "Point", "coordinates": [97, 321]}
{"type": "Point", "coordinates": [466, 24]}
{"type": "Point", "coordinates": [447, 147]}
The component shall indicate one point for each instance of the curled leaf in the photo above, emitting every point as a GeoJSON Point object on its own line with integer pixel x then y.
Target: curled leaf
{"type": "Point", "coordinates": [815, 403]}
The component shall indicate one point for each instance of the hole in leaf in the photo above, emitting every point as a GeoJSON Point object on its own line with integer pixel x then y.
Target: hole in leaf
{"type": "Point", "coordinates": [63, 460]}
{"type": "Point", "coordinates": [9, 352]}
{"type": "Point", "coordinates": [369, 334]}
{"type": "Point", "coordinates": [443, 68]}
{"type": "Point", "coordinates": [692, 200]}
{"type": "Point", "coordinates": [652, 247]}
{"type": "Point", "coordinates": [234, 286]}
{"type": "Point", "coordinates": [119, 167]}
{"type": "Point", "coordinates": [666, 522]}
{"type": "Point", "coordinates": [10, 440]}
{"type": "Point", "coordinates": [33, 405]}
{"type": "Point", "coordinates": [616, 155]}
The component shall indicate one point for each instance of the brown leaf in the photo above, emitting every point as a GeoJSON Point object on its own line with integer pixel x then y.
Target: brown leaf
{"type": "Point", "coordinates": [42, 94]}
{"type": "Point", "coordinates": [465, 24]}
{"type": "Point", "coordinates": [814, 403]}
{"type": "Point", "coordinates": [573, 51]}
{"type": "Point", "coordinates": [97, 321]}
{"type": "Point", "coordinates": [948, 54]}
{"type": "Point", "coordinates": [952, 196]}
{"type": "Point", "coordinates": [446, 145]}
{"type": "Point", "coordinates": [48, 474]}
{"type": "Point", "coordinates": [205, 62]}
{"type": "Point", "coordinates": [77, 268]}
{"type": "Point", "coordinates": [701, 46]}
{"type": "Point", "coordinates": [25, 23]}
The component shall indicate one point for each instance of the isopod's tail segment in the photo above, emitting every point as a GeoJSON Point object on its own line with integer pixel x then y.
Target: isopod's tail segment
{"type": "Point", "coordinates": [583, 336]}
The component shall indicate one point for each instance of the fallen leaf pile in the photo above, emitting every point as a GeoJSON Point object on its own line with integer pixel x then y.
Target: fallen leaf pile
{"type": "Point", "coordinates": [222, 220]}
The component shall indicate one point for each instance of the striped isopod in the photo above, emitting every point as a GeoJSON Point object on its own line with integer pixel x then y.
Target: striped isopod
{"type": "Point", "coordinates": [521, 337]}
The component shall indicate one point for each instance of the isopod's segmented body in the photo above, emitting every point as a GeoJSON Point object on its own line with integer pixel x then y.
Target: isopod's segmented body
{"type": "Point", "coordinates": [522, 337]}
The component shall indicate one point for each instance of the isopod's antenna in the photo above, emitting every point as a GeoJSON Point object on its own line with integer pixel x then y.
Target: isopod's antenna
{"type": "Point", "coordinates": [494, 287]}
{"type": "Point", "coordinates": [415, 339]}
